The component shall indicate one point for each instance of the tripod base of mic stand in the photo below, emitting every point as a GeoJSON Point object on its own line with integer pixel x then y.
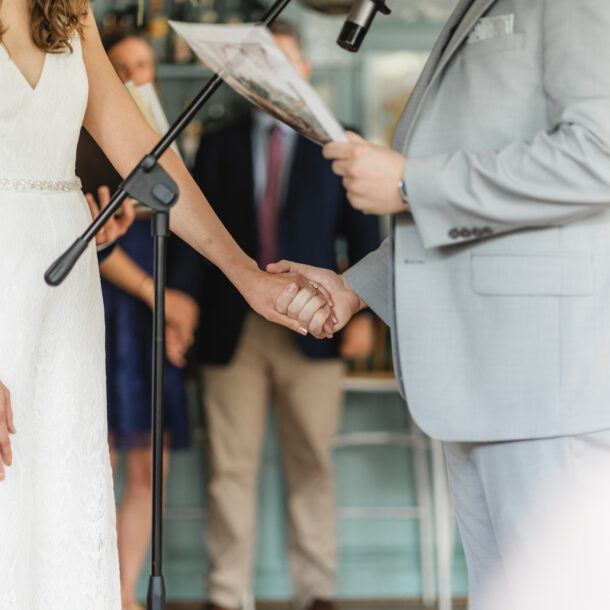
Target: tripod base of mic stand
{"type": "Point", "coordinates": [156, 593]}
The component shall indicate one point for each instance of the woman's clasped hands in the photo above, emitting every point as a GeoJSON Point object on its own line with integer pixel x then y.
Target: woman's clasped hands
{"type": "Point", "coordinates": [116, 225]}
{"type": "Point", "coordinates": [6, 427]}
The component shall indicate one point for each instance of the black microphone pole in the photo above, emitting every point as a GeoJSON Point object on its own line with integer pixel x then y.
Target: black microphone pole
{"type": "Point", "coordinates": [152, 186]}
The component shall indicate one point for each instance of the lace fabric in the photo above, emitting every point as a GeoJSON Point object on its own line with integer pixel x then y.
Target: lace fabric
{"type": "Point", "coordinates": [57, 514]}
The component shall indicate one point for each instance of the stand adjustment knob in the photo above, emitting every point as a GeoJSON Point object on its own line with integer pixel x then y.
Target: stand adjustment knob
{"type": "Point", "coordinates": [164, 194]}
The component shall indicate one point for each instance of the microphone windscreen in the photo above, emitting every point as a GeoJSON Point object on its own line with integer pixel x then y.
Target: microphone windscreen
{"type": "Point", "coordinates": [351, 36]}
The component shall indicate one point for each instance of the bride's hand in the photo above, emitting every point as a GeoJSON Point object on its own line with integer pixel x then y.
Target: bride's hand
{"type": "Point", "coordinates": [262, 290]}
{"type": "Point", "coordinates": [6, 428]}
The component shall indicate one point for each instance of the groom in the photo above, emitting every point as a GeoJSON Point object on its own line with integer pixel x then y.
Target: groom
{"type": "Point", "coordinates": [496, 276]}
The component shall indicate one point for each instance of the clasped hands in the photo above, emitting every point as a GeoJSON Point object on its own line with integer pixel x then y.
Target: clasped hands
{"type": "Point", "coordinates": [325, 302]}
{"type": "Point", "coordinates": [322, 305]}
{"type": "Point", "coordinates": [116, 225]}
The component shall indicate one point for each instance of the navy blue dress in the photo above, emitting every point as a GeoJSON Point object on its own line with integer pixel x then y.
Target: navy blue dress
{"type": "Point", "coordinates": [129, 357]}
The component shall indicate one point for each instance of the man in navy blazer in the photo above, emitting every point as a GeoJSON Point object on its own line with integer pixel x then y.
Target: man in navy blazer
{"type": "Point", "coordinates": [315, 214]}
{"type": "Point", "coordinates": [248, 361]}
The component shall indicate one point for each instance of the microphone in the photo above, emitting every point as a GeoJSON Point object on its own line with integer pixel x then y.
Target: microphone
{"type": "Point", "coordinates": [358, 21]}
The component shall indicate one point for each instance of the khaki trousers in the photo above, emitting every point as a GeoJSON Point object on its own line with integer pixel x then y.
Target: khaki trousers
{"type": "Point", "coordinates": [267, 365]}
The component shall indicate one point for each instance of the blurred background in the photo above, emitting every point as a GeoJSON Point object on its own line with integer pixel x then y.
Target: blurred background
{"type": "Point", "coordinates": [385, 552]}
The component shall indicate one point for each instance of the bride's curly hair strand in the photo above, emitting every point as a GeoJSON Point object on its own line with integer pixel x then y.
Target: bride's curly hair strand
{"type": "Point", "coordinates": [54, 23]}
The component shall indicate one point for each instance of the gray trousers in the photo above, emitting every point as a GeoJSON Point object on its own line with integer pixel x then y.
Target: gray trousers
{"type": "Point", "coordinates": [531, 513]}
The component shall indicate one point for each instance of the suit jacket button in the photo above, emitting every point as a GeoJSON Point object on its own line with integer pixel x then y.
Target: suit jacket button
{"type": "Point", "coordinates": [476, 232]}
{"type": "Point", "coordinates": [465, 233]}
{"type": "Point", "coordinates": [454, 233]}
{"type": "Point", "coordinates": [487, 231]}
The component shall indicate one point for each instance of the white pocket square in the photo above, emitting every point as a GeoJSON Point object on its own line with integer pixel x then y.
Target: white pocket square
{"type": "Point", "coordinates": [492, 27]}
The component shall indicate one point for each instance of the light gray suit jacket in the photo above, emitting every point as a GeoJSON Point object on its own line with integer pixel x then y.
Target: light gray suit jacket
{"type": "Point", "coordinates": [499, 294]}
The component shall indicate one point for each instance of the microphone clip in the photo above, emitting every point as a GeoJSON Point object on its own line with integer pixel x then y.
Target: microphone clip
{"type": "Point", "coordinates": [382, 7]}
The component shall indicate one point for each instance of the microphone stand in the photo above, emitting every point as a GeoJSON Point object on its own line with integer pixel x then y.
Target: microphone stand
{"type": "Point", "coordinates": [152, 186]}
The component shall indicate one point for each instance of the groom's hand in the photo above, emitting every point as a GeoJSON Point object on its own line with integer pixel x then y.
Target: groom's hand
{"type": "Point", "coordinates": [263, 290]}
{"type": "Point", "coordinates": [370, 173]}
{"type": "Point", "coordinates": [320, 322]}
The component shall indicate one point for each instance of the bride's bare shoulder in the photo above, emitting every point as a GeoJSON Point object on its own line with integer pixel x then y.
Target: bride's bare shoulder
{"type": "Point", "coordinates": [89, 27]}
{"type": "Point", "coordinates": [90, 39]}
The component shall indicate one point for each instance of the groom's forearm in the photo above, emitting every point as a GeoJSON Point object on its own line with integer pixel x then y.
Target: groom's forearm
{"type": "Point", "coordinates": [361, 303]}
{"type": "Point", "coordinates": [370, 278]}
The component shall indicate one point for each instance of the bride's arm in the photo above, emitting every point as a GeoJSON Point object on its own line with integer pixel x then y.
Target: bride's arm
{"type": "Point", "coordinates": [125, 137]}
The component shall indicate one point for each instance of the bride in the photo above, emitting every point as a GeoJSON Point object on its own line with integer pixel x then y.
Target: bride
{"type": "Point", "coordinates": [57, 529]}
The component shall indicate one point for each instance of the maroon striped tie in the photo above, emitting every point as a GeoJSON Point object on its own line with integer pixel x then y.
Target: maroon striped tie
{"type": "Point", "coordinates": [268, 211]}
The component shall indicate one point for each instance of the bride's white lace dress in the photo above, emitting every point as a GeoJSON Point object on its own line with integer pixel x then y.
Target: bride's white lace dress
{"type": "Point", "coordinates": [57, 513]}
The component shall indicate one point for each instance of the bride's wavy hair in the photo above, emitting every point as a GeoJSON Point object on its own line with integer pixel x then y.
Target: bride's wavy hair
{"type": "Point", "coordinates": [54, 23]}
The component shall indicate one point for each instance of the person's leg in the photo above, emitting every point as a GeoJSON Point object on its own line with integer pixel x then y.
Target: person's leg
{"type": "Point", "coordinates": [308, 408]}
{"type": "Point", "coordinates": [524, 486]}
{"type": "Point", "coordinates": [235, 398]}
{"type": "Point", "coordinates": [134, 518]}
{"type": "Point", "coordinates": [483, 556]}
{"type": "Point", "coordinates": [560, 561]}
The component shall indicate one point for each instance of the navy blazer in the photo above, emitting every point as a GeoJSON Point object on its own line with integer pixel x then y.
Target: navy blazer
{"type": "Point", "coordinates": [315, 213]}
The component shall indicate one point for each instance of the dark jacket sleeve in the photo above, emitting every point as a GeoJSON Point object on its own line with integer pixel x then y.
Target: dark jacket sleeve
{"type": "Point", "coordinates": [102, 255]}
{"type": "Point", "coordinates": [361, 232]}
{"type": "Point", "coordinates": [186, 268]}
{"type": "Point", "coordinates": [222, 171]}
{"type": "Point", "coordinates": [360, 235]}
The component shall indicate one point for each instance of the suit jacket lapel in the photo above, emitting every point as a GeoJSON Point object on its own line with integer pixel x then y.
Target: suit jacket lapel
{"type": "Point", "coordinates": [470, 19]}
{"type": "Point", "coordinates": [459, 24]}
{"type": "Point", "coordinates": [418, 91]}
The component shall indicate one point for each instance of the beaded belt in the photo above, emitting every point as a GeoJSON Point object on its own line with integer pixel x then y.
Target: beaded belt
{"type": "Point", "coordinates": [27, 186]}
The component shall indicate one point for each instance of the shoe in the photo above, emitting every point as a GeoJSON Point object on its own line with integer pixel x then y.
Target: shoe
{"type": "Point", "coordinates": [321, 604]}
{"type": "Point", "coordinates": [213, 606]}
